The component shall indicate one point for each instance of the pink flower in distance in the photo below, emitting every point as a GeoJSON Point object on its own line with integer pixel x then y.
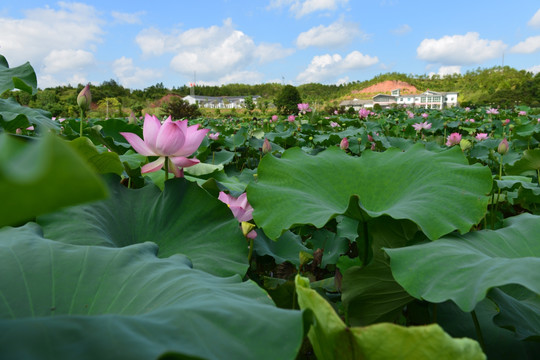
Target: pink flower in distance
{"type": "Point", "coordinates": [291, 118]}
{"type": "Point", "coordinates": [424, 115]}
{"type": "Point", "coordinates": [522, 113]}
{"type": "Point", "coordinates": [492, 111]}
{"type": "Point", "coordinates": [214, 136]}
{"type": "Point", "coordinates": [303, 108]}
{"type": "Point", "coordinates": [423, 125]}
{"type": "Point", "coordinates": [453, 139]}
{"type": "Point", "coordinates": [174, 140]}
{"type": "Point", "coordinates": [274, 118]}
{"type": "Point", "coordinates": [410, 114]}
{"type": "Point", "coordinates": [334, 124]}
{"type": "Point", "coordinates": [364, 113]}
{"type": "Point", "coordinates": [239, 206]}
{"type": "Point", "coordinates": [506, 122]}
{"type": "Point", "coordinates": [481, 136]}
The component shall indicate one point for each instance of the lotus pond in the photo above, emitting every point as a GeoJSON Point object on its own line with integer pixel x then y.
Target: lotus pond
{"type": "Point", "coordinates": [396, 234]}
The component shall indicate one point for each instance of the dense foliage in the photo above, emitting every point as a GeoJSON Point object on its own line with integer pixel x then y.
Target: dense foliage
{"type": "Point", "coordinates": [396, 234]}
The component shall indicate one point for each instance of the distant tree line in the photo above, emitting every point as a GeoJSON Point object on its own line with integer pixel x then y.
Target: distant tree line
{"type": "Point", "coordinates": [496, 86]}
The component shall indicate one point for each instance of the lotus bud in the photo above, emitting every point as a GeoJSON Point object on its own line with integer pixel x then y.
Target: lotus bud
{"type": "Point", "coordinates": [84, 99]}
{"type": "Point", "coordinates": [266, 147]}
{"type": "Point", "coordinates": [503, 147]}
{"type": "Point", "coordinates": [465, 144]}
{"type": "Point", "coordinates": [247, 227]}
{"type": "Point", "coordinates": [344, 144]}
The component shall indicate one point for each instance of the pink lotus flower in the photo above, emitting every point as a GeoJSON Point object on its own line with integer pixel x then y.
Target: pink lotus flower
{"type": "Point", "coordinates": [410, 114]}
{"type": "Point", "coordinates": [291, 118]}
{"type": "Point", "coordinates": [344, 144]}
{"type": "Point", "coordinates": [239, 206]}
{"type": "Point", "coordinates": [471, 120]}
{"type": "Point", "coordinates": [492, 111]}
{"type": "Point", "coordinates": [241, 210]}
{"type": "Point", "coordinates": [370, 138]}
{"type": "Point", "coordinates": [364, 113]}
{"type": "Point", "coordinates": [424, 115]}
{"type": "Point", "coordinates": [453, 139]}
{"type": "Point", "coordinates": [214, 136]}
{"type": "Point", "coordinates": [304, 107]}
{"type": "Point", "coordinates": [420, 126]}
{"type": "Point", "coordinates": [522, 113]}
{"type": "Point", "coordinates": [336, 112]}
{"type": "Point", "coordinates": [481, 136]}
{"type": "Point", "coordinates": [274, 118]}
{"type": "Point", "coordinates": [506, 122]}
{"type": "Point", "coordinates": [173, 140]}
{"type": "Point", "coordinates": [334, 124]}
{"type": "Point", "coordinates": [467, 109]}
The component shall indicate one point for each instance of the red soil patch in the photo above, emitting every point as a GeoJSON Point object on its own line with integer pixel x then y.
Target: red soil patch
{"type": "Point", "coordinates": [387, 86]}
{"type": "Point", "coordinates": [164, 99]}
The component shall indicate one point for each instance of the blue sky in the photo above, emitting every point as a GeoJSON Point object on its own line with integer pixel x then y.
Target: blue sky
{"type": "Point", "coordinates": [142, 43]}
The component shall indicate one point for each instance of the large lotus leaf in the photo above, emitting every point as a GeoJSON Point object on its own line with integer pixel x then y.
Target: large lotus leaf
{"type": "Point", "coordinates": [42, 175]}
{"type": "Point", "coordinates": [332, 339]}
{"type": "Point", "coordinates": [500, 344]}
{"type": "Point", "coordinates": [519, 311]}
{"type": "Point", "coordinates": [369, 293]}
{"type": "Point", "coordinates": [286, 248]}
{"type": "Point", "coordinates": [63, 301]}
{"type": "Point", "coordinates": [22, 77]}
{"type": "Point", "coordinates": [183, 218]}
{"type": "Point", "coordinates": [103, 163]}
{"type": "Point", "coordinates": [438, 191]}
{"type": "Point", "coordinates": [463, 268]}
{"type": "Point", "coordinates": [14, 116]}
{"type": "Point", "coordinates": [530, 161]}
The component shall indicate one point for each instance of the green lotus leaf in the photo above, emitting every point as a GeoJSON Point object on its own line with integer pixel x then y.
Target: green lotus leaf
{"type": "Point", "coordinates": [286, 248]}
{"type": "Point", "coordinates": [462, 268]}
{"type": "Point", "coordinates": [369, 293]}
{"type": "Point", "coordinates": [63, 301]}
{"type": "Point", "coordinates": [183, 219]}
{"type": "Point", "coordinates": [530, 161]}
{"type": "Point", "coordinates": [519, 311]}
{"type": "Point", "coordinates": [14, 116]}
{"type": "Point", "coordinates": [22, 77]}
{"type": "Point", "coordinates": [42, 175]}
{"type": "Point", "coordinates": [332, 339]}
{"type": "Point", "coordinates": [439, 191]}
{"type": "Point", "coordinates": [103, 163]}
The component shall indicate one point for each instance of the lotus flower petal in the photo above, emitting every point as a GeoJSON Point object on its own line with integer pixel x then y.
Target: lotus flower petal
{"type": "Point", "coordinates": [153, 166]}
{"type": "Point", "coordinates": [138, 144]}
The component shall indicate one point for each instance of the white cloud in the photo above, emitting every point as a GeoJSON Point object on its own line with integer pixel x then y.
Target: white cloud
{"type": "Point", "coordinates": [213, 52]}
{"type": "Point", "coordinates": [535, 20]}
{"type": "Point", "coordinates": [529, 46]}
{"type": "Point", "coordinates": [47, 37]}
{"type": "Point", "coordinates": [304, 7]}
{"type": "Point", "coordinates": [534, 69]}
{"type": "Point", "coordinates": [242, 77]}
{"type": "Point", "coordinates": [326, 67]}
{"type": "Point", "coordinates": [270, 52]}
{"type": "Point", "coordinates": [127, 18]}
{"type": "Point", "coordinates": [465, 49]}
{"type": "Point", "coordinates": [67, 60]}
{"type": "Point", "coordinates": [402, 30]}
{"type": "Point", "coordinates": [131, 76]}
{"type": "Point", "coordinates": [334, 35]}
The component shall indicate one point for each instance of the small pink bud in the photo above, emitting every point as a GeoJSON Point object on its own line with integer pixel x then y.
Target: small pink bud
{"type": "Point", "coordinates": [266, 147]}
{"type": "Point", "coordinates": [503, 147]}
{"type": "Point", "coordinates": [344, 144]}
{"type": "Point", "coordinates": [84, 99]}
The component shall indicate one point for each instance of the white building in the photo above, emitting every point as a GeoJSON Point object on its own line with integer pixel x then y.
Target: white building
{"type": "Point", "coordinates": [219, 102]}
{"type": "Point", "coordinates": [429, 99]}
